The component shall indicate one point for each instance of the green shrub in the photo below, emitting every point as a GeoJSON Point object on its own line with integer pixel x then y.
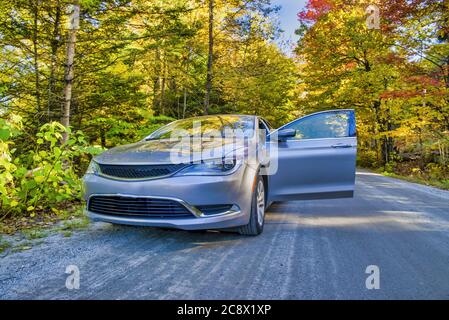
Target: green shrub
{"type": "Point", "coordinates": [367, 159]}
{"type": "Point", "coordinates": [152, 124]}
{"type": "Point", "coordinates": [45, 177]}
{"type": "Point", "coordinates": [437, 171]}
{"type": "Point", "coordinates": [390, 166]}
{"type": "Point", "coordinates": [114, 131]}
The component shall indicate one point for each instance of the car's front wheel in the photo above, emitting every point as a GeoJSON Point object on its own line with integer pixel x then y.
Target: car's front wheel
{"type": "Point", "coordinates": [257, 217]}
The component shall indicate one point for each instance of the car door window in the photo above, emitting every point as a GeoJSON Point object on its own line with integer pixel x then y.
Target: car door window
{"type": "Point", "coordinates": [337, 124]}
{"type": "Point", "coordinates": [263, 126]}
{"type": "Point", "coordinates": [262, 132]}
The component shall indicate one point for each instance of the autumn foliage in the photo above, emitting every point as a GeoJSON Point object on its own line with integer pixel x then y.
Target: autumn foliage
{"type": "Point", "coordinates": [396, 77]}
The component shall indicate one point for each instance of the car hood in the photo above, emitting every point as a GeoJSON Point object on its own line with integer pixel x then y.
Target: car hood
{"type": "Point", "coordinates": [169, 151]}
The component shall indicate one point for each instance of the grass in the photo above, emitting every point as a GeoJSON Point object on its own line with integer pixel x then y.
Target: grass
{"type": "Point", "coordinates": [29, 232]}
{"type": "Point", "coordinates": [441, 184]}
{"type": "Point", "coordinates": [4, 245]}
{"type": "Point", "coordinates": [75, 224]}
{"type": "Point", "coordinates": [27, 245]}
{"type": "Point", "coordinates": [35, 233]}
{"type": "Point", "coordinates": [32, 227]}
{"type": "Point", "coordinates": [67, 234]}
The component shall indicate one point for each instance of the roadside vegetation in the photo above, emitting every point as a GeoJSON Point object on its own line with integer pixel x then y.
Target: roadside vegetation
{"type": "Point", "coordinates": [76, 82]}
{"type": "Point", "coordinates": [395, 76]}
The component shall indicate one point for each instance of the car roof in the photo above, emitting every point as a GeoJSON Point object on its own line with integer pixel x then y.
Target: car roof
{"type": "Point", "coordinates": [225, 115]}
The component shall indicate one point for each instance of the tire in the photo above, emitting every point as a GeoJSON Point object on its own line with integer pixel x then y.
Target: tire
{"type": "Point", "coordinates": [257, 216]}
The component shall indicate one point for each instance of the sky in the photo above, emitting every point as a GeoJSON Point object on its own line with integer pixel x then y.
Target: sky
{"type": "Point", "coordinates": [289, 21]}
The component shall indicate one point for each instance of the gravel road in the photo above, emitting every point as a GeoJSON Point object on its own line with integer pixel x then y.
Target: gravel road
{"type": "Point", "coordinates": [309, 250]}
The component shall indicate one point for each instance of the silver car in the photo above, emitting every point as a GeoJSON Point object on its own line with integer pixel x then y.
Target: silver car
{"type": "Point", "coordinates": [197, 183]}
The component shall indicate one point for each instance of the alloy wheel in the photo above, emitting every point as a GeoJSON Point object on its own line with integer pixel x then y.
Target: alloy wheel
{"type": "Point", "coordinates": [260, 199]}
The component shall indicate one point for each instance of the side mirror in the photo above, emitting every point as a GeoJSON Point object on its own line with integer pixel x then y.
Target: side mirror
{"type": "Point", "coordinates": [285, 134]}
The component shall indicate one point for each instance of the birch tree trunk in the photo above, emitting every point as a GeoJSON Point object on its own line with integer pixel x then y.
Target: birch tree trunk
{"type": "Point", "coordinates": [74, 11]}
{"type": "Point", "coordinates": [36, 56]}
{"type": "Point", "coordinates": [209, 76]}
{"type": "Point", "coordinates": [55, 43]}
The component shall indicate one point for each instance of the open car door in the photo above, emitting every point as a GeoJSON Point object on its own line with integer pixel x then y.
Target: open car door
{"type": "Point", "coordinates": [316, 157]}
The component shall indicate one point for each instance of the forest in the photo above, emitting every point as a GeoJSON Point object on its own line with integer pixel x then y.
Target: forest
{"type": "Point", "coordinates": [80, 76]}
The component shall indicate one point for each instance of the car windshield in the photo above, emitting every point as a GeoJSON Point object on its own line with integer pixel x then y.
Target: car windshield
{"type": "Point", "coordinates": [223, 125]}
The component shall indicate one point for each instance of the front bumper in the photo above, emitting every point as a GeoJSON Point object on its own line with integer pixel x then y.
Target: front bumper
{"type": "Point", "coordinates": [220, 222]}
{"type": "Point", "coordinates": [192, 191]}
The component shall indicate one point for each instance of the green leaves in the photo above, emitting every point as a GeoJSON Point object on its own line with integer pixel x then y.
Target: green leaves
{"type": "Point", "coordinates": [10, 127]}
{"type": "Point", "coordinates": [44, 178]}
{"type": "Point", "coordinates": [39, 179]}
{"type": "Point", "coordinates": [4, 134]}
{"type": "Point", "coordinates": [392, 77]}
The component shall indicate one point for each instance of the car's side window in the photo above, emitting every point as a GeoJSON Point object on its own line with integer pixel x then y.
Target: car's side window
{"type": "Point", "coordinates": [333, 124]}
{"type": "Point", "coordinates": [264, 126]}
{"type": "Point", "coordinates": [262, 132]}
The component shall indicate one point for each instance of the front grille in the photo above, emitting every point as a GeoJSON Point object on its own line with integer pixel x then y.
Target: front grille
{"type": "Point", "coordinates": [139, 171]}
{"type": "Point", "coordinates": [214, 209]}
{"type": "Point", "coordinates": [130, 206]}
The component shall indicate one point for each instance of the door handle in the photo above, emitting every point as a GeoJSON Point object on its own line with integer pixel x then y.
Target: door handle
{"type": "Point", "coordinates": [341, 145]}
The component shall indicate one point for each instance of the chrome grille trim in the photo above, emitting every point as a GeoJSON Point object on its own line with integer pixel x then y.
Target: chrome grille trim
{"type": "Point", "coordinates": [129, 199]}
{"type": "Point", "coordinates": [138, 171]}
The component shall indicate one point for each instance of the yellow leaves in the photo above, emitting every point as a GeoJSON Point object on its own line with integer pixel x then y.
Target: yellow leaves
{"type": "Point", "coordinates": [39, 179]}
{"type": "Point", "coordinates": [119, 68]}
{"type": "Point", "coordinates": [5, 156]}
{"type": "Point", "coordinates": [401, 132]}
{"type": "Point", "coordinates": [56, 211]}
{"type": "Point", "coordinates": [57, 152]}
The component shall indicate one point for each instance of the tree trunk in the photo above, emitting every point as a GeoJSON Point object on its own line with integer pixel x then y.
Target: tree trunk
{"type": "Point", "coordinates": [209, 76]}
{"type": "Point", "coordinates": [36, 56]}
{"type": "Point", "coordinates": [157, 81]}
{"type": "Point", "coordinates": [69, 74]}
{"type": "Point", "coordinates": [103, 137]}
{"type": "Point", "coordinates": [55, 43]}
{"type": "Point", "coordinates": [185, 104]}
{"type": "Point", "coordinates": [385, 126]}
{"type": "Point", "coordinates": [163, 85]}
{"type": "Point", "coordinates": [178, 106]}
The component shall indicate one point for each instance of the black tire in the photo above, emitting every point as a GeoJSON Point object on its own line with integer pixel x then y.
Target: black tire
{"type": "Point", "coordinates": [255, 226]}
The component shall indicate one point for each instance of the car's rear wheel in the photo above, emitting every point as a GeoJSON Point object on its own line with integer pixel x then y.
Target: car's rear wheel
{"type": "Point", "coordinates": [257, 217]}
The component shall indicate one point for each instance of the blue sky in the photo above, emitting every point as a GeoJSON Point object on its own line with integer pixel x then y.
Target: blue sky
{"type": "Point", "coordinates": [288, 19]}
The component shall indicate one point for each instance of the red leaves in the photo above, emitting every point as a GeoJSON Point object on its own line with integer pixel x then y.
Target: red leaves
{"type": "Point", "coordinates": [392, 58]}
{"type": "Point", "coordinates": [393, 12]}
{"type": "Point", "coordinates": [407, 94]}
{"type": "Point", "coordinates": [400, 94]}
{"type": "Point", "coordinates": [314, 9]}
{"type": "Point", "coordinates": [424, 81]}
{"type": "Point", "coordinates": [418, 86]}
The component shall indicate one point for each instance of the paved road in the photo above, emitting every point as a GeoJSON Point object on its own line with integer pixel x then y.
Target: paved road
{"type": "Point", "coordinates": [309, 250]}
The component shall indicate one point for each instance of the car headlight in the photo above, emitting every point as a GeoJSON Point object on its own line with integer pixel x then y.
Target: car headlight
{"type": "Point", "coordinates": [218, 167]}
{"type": "Point", "coordinates": [93, 168]}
